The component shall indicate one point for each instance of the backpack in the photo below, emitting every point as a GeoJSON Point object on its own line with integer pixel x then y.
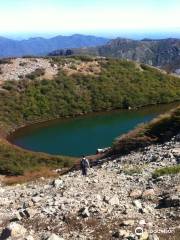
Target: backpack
{"type": "Point", "coordinates": [84, 163]}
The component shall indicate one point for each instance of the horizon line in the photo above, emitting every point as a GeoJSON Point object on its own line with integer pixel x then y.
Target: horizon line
{"type": "Point", "coordinates": [19, 36]}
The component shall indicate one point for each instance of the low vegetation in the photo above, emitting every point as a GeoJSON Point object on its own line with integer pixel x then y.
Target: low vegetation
{"type": "Point", "coordinates": [16, 161]}
{"type": "Point", "coordinates": [166, 171]}
{"type": "Point", "coordinates": [36, 74]}
{"type": "Point", "coordinates": [131, 169]}
{"type": "Point", "coordinates": [30, 176]}
{"type": "Point", "coordinates": [5, 61]}
{"type": "Point", "coordinates": [119, 84]}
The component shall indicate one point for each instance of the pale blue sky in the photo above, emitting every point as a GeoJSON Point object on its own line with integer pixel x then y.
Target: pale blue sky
{"type": "Point", "coordinates": [102, 17]}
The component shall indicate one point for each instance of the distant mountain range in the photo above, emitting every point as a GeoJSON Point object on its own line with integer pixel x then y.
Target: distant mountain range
{"type": "Point", "coordinates": [164, 53]}
{"type": "Point", "coordinates": [42, 46]}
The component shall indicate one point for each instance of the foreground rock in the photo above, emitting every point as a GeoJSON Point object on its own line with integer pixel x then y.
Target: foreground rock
{"type": "Point", "coordinates": [54, 237]}
{"type": "Point", "coordinates": [111, 203]}
{"type": "Point", "coordinates": [13, 230]}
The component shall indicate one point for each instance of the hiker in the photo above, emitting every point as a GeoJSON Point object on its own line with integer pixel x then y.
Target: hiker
{"type": "Point", "coordinates": [84, 165]}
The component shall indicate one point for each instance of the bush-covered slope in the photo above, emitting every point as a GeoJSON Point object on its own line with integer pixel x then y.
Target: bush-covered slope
{"type": "Point", "coordinates": [120, 84]}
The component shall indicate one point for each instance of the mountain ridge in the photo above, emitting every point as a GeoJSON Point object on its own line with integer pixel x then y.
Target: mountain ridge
{"type": "Point", "coordinates": [41, 46]}
{"type": "Point", "coordinates": [162, 53]}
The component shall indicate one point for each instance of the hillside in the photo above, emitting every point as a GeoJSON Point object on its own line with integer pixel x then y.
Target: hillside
{"type": "Point", "coordinates": [84, 85]}
{"type": "Point", "coordinates": [81, 85]}
{"type": "Point", "coordinates": [164, 53]}
{"type": "Point", "coordinates": [42, 46]}
{"type": "Point", "coordinates": [135, 186]}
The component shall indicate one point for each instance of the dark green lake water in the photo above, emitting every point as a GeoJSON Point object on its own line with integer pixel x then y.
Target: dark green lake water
{"type": "Point", "coordinates": [83, 135]}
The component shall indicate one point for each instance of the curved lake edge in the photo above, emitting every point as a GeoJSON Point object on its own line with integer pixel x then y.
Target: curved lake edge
{"type": "Point", "coordinates": [45, 122]}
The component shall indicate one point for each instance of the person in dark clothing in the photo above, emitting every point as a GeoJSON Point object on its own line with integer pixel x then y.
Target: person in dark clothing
{"type": "Point", "coordinates": [84, 165]}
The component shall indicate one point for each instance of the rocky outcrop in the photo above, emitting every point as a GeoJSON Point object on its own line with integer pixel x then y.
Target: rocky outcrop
{"type": "Point", "coordinates": [111, 203]}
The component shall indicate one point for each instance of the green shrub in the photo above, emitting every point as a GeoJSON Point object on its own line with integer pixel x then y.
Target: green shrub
{"type": "Point", "coordinates": [37, 73]}
{"type": "Point", "coordinates": [5, 61]}
{"type": "Point", "coordinates": [166, 171]}
{"type": "Point", "coordinates": [131, 170]}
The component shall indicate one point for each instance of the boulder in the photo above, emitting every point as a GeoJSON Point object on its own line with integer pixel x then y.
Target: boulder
{"type": "Point", "coordinates": [176, 152]}
{"type": "Point", "coordinates": [54, 237]}
{"type": "Point", "coordinates": [58, 183]}
{"type": "Point", "coordinates": [128, 222]}
{"type": "Point", "coordinates": [25, 213]}
{"type": "Point", "coordinates": [84, 212]}
{"type": "Point", "coordinates": [121, 234]}
{"type": "Point", "coordinates": [142, 222]}
{"type": "Point", "coordinates": [114, 200]}
{"type": "Point", "coordinates": [137, 204]}
{"type": "Point", "coordinates": [135, 194]}
{"type": "Point", "coordinates": [30, 212]}
{"type": "Point", "coordinates": [36, 199]}
{"type": "Point", "coordinates": [148, 194]}
{"type": "Point", "coordinates": [13, 230]}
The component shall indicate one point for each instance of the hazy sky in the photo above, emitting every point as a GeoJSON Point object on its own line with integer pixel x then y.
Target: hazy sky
{"type": "Point", "coordinates": [89, 16]}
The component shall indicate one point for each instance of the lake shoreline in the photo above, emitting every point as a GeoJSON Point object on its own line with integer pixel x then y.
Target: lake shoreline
{"type": "Point", "coordinates": [11, 136]}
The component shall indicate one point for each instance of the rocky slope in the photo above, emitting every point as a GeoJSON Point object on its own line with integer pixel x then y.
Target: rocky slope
{"type": "Point", "coordinates": [43, 68]}
{"type": "Point", "coordinates": [117, 198]}
{"type": "Point", "coordinates": [19, 68]}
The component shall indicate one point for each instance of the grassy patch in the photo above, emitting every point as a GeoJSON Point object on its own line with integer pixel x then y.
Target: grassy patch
{"type": "Point", "coordinates": [36, 74]}
{"type": "Point", "coordinates": [166, 171]}
{"type": "Point", "coordinates": [131, 170]}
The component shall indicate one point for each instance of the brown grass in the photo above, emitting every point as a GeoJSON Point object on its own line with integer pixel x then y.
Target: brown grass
{"type": "Point", "coordinates": [86, 68]}
{"type": "Point", "coordinates": [29, 176]}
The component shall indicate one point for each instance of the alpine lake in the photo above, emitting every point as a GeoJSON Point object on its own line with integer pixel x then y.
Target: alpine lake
{"type": "Point", "coordinates": [83, 135]}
